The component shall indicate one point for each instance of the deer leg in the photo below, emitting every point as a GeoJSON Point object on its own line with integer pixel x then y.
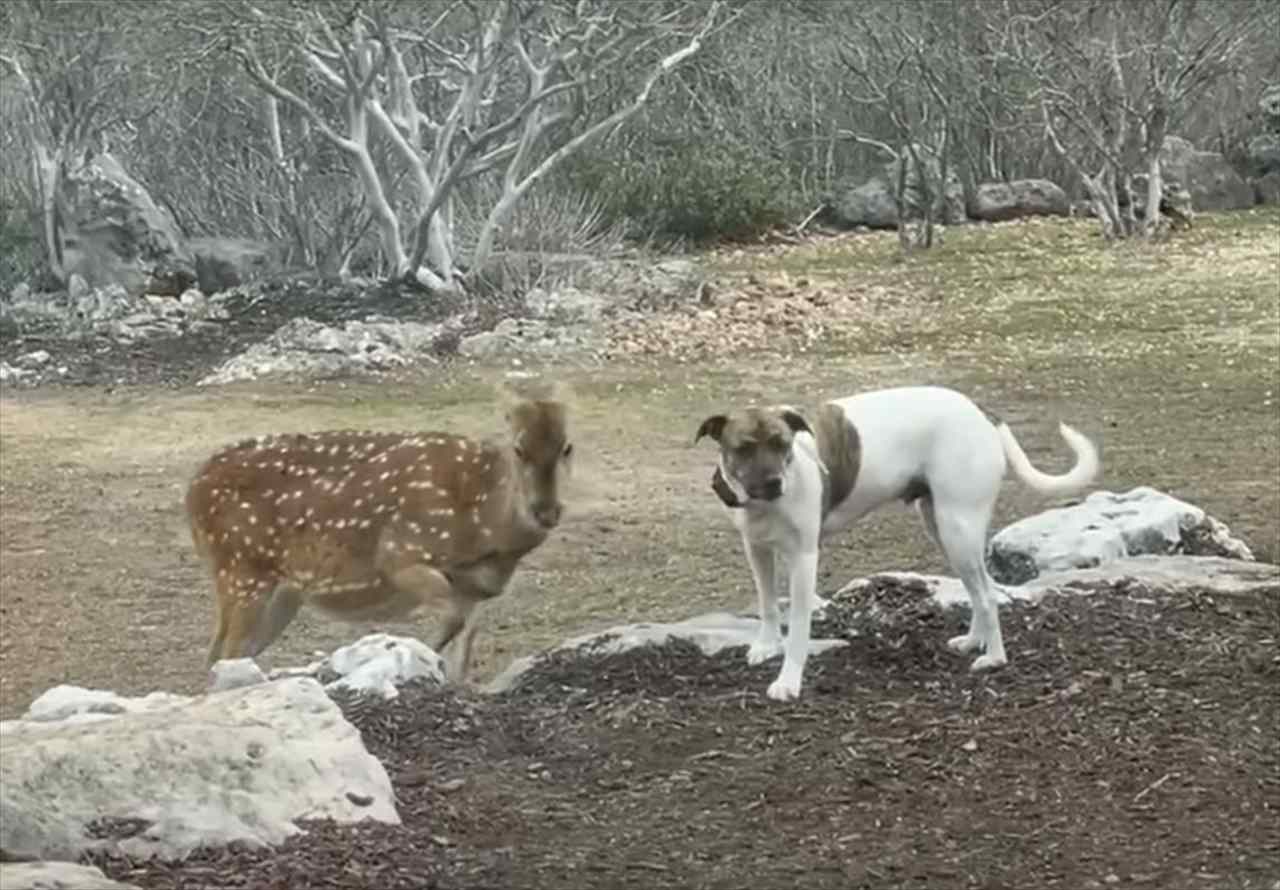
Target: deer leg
{"type": "Point", "coordinates": [432, 588]}
{"type": "Point", "coordinates": [241, 615]}
{"type": "Point", "coordinates": [282, 609]}
{"type": "Point", "coordinates": [462, 648]}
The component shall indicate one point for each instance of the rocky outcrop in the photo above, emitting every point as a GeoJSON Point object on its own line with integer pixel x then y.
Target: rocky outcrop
{"type": "Point", "coordinates": [308, 349]}
{"type": "Point", "coordinates": [114, 233]}
{"type": "Point", "coordinates": [165, 774]}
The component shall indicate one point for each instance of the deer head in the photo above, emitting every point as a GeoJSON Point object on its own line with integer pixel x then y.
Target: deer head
{"type": "Point", "coordinates": [541, 451]}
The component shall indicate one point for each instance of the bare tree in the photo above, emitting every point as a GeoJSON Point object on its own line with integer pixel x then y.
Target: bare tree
{"type": "Point", "coordinates": [71, 65]}
{"type": "Point", "coordinates": [456, 91]}
{"type": "Point", "coordinates": [894, 53]}
{"type": "Point", "coordinates": [1111, 80]}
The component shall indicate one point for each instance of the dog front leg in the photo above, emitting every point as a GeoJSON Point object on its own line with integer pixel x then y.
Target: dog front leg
{"type": "Point", "coordinates": [768, 642]}
{"type": "Point", "coordinates": [804, 582]}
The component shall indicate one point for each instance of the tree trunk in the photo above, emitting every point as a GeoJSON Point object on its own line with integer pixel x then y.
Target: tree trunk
{"type": "Point", "coordinates": [48, 173]}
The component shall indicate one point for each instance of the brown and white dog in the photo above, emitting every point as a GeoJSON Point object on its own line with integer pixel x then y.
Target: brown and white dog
{"type": "Point", "coordinates": [790, 481]}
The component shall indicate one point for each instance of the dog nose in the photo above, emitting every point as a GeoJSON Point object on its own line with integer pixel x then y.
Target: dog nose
{"type": "Point", "coordinates": [771, 489]}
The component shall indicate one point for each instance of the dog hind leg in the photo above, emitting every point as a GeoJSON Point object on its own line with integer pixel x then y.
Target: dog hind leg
{"type": "Point", "coordinates": [962, 533]}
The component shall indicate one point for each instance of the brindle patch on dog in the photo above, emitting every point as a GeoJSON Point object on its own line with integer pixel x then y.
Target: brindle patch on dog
{"type": "Point", "coordinates": [840, 449]}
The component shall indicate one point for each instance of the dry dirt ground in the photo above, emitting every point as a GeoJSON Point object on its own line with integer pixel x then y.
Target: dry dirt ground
{"type": "Point", "coordinates": [1166, 353]}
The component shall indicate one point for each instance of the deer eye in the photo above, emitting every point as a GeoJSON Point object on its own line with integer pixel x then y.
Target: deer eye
{"type": "Point", "coordinates": [519, 452]}
{"type": "Point", "coordinates": [568, 450]}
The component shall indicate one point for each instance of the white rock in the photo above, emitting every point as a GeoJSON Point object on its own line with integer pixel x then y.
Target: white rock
{"type": "Point", "coordinates": [712, 633]}
{"type": "Point", "coordinates": [10, 374]}
{"type": "Point", "coordinates": [1107, 526]}
{"type": "Point", "coordinates": [238, 765]}
{"type": "Point", "coordinates": [21, 291]}
{"type": "Point", "coordinates": [235, 673]}
{"type": "Point", "coordinates": [56, 876]}
{"type": "Point", "coordinates": [378, 663]}
{"type": "Point", "coordinates": [35, 359]}
{"type": "Point", "coordinates": [77, 704]}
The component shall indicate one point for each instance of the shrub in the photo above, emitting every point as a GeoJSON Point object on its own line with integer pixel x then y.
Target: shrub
{"type": "Point", "coordinates": [693, 190]}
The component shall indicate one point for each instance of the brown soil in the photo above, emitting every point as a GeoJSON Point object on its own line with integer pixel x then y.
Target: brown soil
{"type": "Point", "coordinates": [1130, 742]}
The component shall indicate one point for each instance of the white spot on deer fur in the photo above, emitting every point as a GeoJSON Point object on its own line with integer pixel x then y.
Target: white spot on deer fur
{"type": "Point", "coordinates": [487, 532]}
{"type": "Point", "coordinates": [341, 523]}
{"type": "Point", "coordinates": [365, 523]}
{"type": "Point", "coordinates": [444, 535]}
{"type": "Point", "coordinates": [253, 520]}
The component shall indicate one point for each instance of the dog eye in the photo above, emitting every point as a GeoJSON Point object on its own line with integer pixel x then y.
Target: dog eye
{"type": "Point", "coordinates": [746, 448]}
{"type": "Point", "coordinates": [777, 443]}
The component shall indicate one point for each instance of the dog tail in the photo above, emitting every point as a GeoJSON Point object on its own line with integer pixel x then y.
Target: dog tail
{"type": "Point", "coordinates": [1080, 475]}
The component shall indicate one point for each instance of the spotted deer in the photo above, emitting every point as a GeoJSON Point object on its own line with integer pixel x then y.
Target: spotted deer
{"type": "Point", "coordinates": [374, 526]}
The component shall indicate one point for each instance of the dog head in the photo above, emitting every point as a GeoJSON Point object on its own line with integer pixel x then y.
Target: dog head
{"type": "Point", "coordinates": [755, 449]}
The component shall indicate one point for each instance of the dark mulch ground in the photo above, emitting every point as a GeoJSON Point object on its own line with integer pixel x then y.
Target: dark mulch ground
{"type": "Point", "coordinates": [256, 312]}
{"type": "Point", "coordinates": [1131, 742]}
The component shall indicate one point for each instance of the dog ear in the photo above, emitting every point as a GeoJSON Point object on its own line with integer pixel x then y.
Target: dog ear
{"type": "Point", "coordinates": [713, 426]}
{"type": "Point", "coordinates": [796, 421]}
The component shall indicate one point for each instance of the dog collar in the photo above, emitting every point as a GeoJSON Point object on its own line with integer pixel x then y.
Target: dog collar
{"type": "Point", "coordinates": [726, 494]}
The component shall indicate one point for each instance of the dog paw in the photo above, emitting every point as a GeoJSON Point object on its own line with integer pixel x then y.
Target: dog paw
{"type": "Point", "coordinates": [989, 661]}
{"type": "Point", "coordinates": [964, 643]}
{"type": "Point", "coordinates": [817, 605]}
{"type": "Point", "coordinates": [761, 651]}
{"type": "Point", "coordinates": [784, 689]}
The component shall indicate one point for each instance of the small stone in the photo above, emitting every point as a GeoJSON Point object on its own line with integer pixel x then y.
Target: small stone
{"type": "Point", "coordinates": [35, 359]}
{"type": "Point", "coordinates": [235, 673]}
{"type": "Point", "coordinates": [20, 292]}
{"type": "Point", "coordinates": [971, 745]}
{"type": "Point", "coordinates": [77, 287]}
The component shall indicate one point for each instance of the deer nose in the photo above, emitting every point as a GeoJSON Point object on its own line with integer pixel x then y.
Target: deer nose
{"type": "Point", "coordinates": [548, 515]}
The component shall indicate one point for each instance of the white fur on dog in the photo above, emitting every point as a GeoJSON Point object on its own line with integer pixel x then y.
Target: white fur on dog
{"type": "Point", "coordinates": [922, 438]}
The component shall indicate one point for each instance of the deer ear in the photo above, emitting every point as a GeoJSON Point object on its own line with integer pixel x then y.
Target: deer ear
{"type": "Point", "coordinates": [713, 426]}
{"type": "Point", "coordinates": [796, 421]}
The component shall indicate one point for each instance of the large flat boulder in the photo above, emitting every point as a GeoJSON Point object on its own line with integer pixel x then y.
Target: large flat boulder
{"type": "Point", "coordinates": [711, 633]}
{"type": "Point", "coordinates": [1020, 198]}
{"type": "Point", "coordinates": [224, 263]}
{"type": "Point", "coordinates": [164, 775]}
{"type": "Point", "coordinates": [56, 876]}
{"type": "Point", "coordinates": [1107, 526]}
{"type": "Point", "coordinates": [872, 202]}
